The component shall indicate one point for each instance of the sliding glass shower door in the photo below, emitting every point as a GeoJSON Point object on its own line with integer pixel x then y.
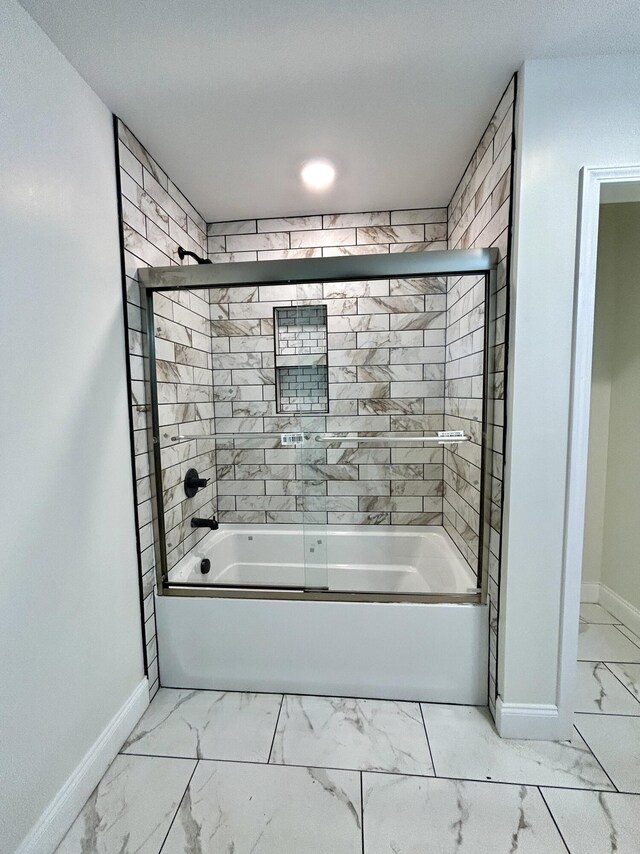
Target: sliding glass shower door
{"type": "Point", "coordinates": [338, 433]}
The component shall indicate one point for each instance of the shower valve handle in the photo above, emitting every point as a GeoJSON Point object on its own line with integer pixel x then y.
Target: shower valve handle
{"type": "Point", "coordinates": [193, 482]}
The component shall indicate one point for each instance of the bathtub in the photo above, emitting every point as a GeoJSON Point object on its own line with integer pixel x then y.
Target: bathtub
{"type": "Point", "coordinates": [434, 651]}
{"type": "Point", "coordinates": [349, 558]}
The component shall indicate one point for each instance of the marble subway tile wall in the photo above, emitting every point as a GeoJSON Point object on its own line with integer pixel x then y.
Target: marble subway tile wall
{"type": "Point", "coordinates": [385, 371]}
{"type": "Point", "coordinates": [324, 236]}
{"type": "Point", "coordinates": [479, 215]}
{"type": "Point", "coordinates": [156, 218]}
{"type": "Point", "coordinates": [464, 371]}
{"type": "Point", "coordinates": [386, 350]}
{"type": "Point", "coordinates": [185, 406]}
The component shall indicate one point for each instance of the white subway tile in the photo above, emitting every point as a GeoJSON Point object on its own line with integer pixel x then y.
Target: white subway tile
{"type": "Point", "coordinates": [251, 242]}
{"type": "Point", "coordinates": [328, 237]}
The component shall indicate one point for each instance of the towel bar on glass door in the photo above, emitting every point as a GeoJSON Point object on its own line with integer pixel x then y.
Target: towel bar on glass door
{"type": "Point", "coordinates": [326, 437]}
{"type": "Point", "coordinates": [442, 440]}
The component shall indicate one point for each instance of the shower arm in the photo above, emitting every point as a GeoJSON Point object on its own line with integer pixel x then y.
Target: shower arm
{"type": "Point", "coordinates": [184, 252]}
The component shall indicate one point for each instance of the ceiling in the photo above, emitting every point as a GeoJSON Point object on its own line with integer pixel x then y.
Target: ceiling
{"type": "Point", "coordinates": [231, 96]}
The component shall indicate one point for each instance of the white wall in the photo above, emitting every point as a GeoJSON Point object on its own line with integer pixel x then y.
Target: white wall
{"type": "Point", "coordinates": [620, 273]}
{"type": "Point", "coordinates": [69, 607]}
{"type": "Point", "coordinates": [572, 113]}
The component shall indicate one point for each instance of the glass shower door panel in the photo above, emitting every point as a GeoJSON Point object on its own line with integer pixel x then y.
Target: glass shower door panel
{"type": "Point", "coordinates": [301, 400]}
{"type": "Point", "coordinates": [405, 377]}
{"type": "Point", "coordinates": [313, 502]}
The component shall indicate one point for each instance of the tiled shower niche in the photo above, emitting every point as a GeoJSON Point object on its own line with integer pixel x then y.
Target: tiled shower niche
{"type": "Point", "coordinates": [302, 378]}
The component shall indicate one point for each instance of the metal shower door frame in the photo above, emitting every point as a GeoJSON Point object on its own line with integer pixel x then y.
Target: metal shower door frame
{"type": "Point", "coordinates": [481, 262]}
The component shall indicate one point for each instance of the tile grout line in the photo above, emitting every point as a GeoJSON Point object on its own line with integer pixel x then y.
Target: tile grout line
{"type": "Point", "coordinates": [178, 807]}
{"type": "Point", "coordinates": [617, 626]}
{"type": "Point", "coordinates": [553, 818]}
{"type": "Point", "coordinates": [609, 714]}
{"type": "Point", "coordinates": [391, 773]}
{"type": "Point", "coordinates": [275, 730]}
{"type": "Point", "coordinates": [615, 676]}
{"type": "Point", "coordinates": [362, 810]}
{"type": "Point", "coordinates": [615, 788]}
{"type": "Point", "coordinates": [426, 735]}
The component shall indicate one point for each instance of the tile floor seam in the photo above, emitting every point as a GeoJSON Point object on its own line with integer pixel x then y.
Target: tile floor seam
{"type": "Point", "coordinates": [553, 819]}
{"type": "Point", "coordinates": [628, 690]}
{"type": "Point", "coordinates": [615, 788]}
{"type": "Point", "coordinates": [426, 735]}
{"type": "Point", "coordinates": [186, 789]}
{"type": "Point", "coordinates": [362, 812]}
{"type": "Point", "coordinates": [396, 773]}
{"type": "Point", "coordinates": [275, 730]}
{"type": "Point", "coordinates": [631, 640]}
{"type": "Point", "coordinates": [609, 714]}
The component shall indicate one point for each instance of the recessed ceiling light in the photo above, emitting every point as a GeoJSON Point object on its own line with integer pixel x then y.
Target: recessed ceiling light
{"type": "Point", "coordinates": [318, 174]}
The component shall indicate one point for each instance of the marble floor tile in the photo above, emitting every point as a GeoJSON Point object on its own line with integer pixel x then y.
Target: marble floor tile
{"type": "Point", "coordinates": [131, 808]}
{"type": "Point", "coordinates": [592, 613]}
{"type": "Point", "coordinates": [629, 675]}
{"type": "Point", "coordinates": [598, 690]}
{"type": "Point", "coordinates": [605, 643]}
{"type": "Point", "coordinates": [207, 725]}
{"type": "Point", "coordinates": [420, 815]}
{"type": "Point", "coordinates": [615, 741]}
{"type": "Point", "coordinates": [337, 732]}
{"type": "Point", "coordinates": [596, 822]}
{"type": "Point", "coordinates": [267, 809]}
{"type": "Point", "coordinates": [465, 745]}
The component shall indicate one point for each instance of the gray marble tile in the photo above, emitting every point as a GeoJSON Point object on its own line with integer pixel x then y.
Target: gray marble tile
{"type": "Point", "coordinates": [605, 643]}
{"type": "Point", "coordinates": [266, 809]}
{"type": "Point", "coordinates": [596, 822]}
{"type": "Point", "coordinates": [629, 675]}
{"type": "Point", "coordinates": [465, 744]}
{"type": "Point", "coordinates": [246, 226]}
{"type": "Point", "coordinates": [251, 242]}
{"type": "Point", "coordinates": [615, 741]}
{"type": "Point", "coordinates": [207, 725]}
{"type": "Point", "coordinates": [356, 219]}
{"type": "Point", "coordinates": [336, 732]}
{"type": "Point", "coordinates": [592, 613]}
{"type": "Point", "coordinates": [131, 808]}
{"type": "Point", "coordinates": [413, 815]}
{"type": "Point", "coordinates": [598, 690]}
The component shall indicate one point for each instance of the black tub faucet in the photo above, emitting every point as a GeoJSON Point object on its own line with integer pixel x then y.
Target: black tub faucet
{"type": "Point", "coordinates": [204, 523]}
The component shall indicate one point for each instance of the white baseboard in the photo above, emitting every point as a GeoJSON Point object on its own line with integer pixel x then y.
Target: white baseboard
{"type": "Point", "coordinates": [45, 836]}
{"type": "Point", "coordinates": [529, 720]}
{"type": "Point", "coordinates": [590, 592]}
{"type": "Point", "coordinates": [620, 608]}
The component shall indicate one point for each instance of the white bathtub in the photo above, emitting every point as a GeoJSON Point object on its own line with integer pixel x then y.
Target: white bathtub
{"type": "Point", "coordinates": [349, 558]}
{"type": "Point", "coordinates": [433, 651]}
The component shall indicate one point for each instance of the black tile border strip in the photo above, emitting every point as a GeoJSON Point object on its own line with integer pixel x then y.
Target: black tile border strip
{"type": "Point", "coordinates": [125, 320]}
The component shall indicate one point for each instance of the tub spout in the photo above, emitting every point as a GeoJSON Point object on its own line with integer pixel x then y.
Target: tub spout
{"type": "Point", "coordinates": [204, 523]}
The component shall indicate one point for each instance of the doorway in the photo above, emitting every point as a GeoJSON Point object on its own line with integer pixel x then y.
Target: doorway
{"type": "Point", "coordinates": [602, 557]}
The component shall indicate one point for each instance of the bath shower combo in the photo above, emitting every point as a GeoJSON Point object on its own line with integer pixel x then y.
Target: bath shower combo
{"type": "Point", "coordinates": [341, 411]}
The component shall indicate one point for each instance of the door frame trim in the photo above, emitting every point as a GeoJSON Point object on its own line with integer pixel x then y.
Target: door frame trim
{"type": "Point", "coordinates": [591, 181]}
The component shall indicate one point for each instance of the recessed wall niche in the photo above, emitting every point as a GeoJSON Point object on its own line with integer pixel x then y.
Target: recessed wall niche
{"type": "Point", "coordinates": [302, 380]}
